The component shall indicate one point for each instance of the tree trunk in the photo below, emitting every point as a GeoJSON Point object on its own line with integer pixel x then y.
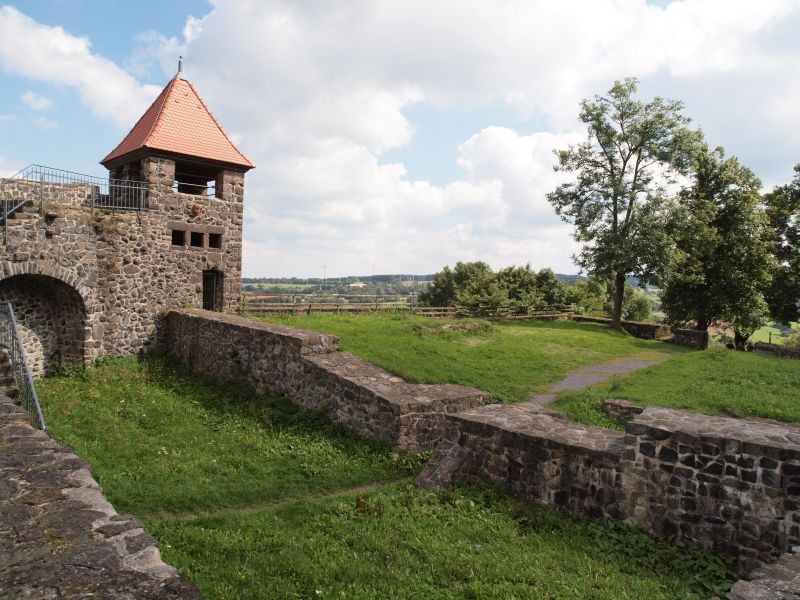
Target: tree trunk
{"type": "Point", "coordinates": [619, 294]}
{"type": "Point", "coordinates": [702, 322]}
{"type": "Point", "coordinates": [738, 340]}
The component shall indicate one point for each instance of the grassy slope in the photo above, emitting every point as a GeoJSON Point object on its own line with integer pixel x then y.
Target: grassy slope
{"type": "Point", "coordinates": [716, 381]}
{"type": "Point", "coordinates": [257, 500]}
{"type": "Point", "coordinates": [510, 361]}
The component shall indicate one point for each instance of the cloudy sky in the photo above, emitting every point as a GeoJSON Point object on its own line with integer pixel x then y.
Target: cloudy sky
{"type": "Point", "coordinates": [396, 135]}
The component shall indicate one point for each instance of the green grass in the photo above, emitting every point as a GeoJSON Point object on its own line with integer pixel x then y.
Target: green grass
{"type": "Point", "coordinates": [717, 381]}
{"type": "Point", "coordinates": [508, 359]}
{"type": "Point", "coordinates": [779, 334]}
{"type": "Point", "coordinates": [255, 499]}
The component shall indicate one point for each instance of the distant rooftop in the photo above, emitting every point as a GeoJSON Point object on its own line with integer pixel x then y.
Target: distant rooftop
{"type": "Point", "coordinates": [179, 122]}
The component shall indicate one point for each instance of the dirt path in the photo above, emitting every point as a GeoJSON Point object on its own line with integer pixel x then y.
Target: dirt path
{"type": "Point", "coordinates": [247, 509]}
{"type": "Point", "coordinates": [591, 375]}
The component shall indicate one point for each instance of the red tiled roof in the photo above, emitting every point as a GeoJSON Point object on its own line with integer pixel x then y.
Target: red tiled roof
{"type": "Point", "coordinates": [179, 122]}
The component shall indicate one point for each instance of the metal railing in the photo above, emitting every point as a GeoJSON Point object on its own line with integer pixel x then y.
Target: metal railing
{"type": "Point", "coordinates": [10, 340]}
{"type": "Point", "coordinates": [37, 185]}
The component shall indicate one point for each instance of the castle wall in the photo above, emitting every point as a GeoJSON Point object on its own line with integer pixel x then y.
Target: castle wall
{"type": "Point", "coordinates": [724, 484]}
{"type": "Point", "coordinates": [309, 369]}
{"type": "Point", "coordinates": [122, 264]}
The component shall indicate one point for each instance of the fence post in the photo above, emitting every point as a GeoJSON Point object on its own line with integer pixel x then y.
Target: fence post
{"type": "Point", "coordinates": [41, 193]}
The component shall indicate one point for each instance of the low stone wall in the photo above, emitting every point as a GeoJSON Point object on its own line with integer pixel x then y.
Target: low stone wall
{"type": "Point", "coordinates": [692, 338]}
{"type": "Point", "coordinates": [59, 536]}
{"type": "Point", "coordinates": [655, 331]}
{"type": "Point", "coordinates": [731, 485]}
{"type": "Point", "coordinates": [646, 331]}
{"type": "Point", "coordinates": [309, 369]}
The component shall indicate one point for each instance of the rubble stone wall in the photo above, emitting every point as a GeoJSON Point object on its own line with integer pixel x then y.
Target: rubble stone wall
{"type": "Point", "coordinates": [731, 485]}
{"type": "Point", "coordinates": [51, 320]}
{"type": "Point", "coordinates": [59, 536]}
{"type": "Point", "coordinates": [124, 265]}
{"type": "Point", "coordinates": [309, 369]}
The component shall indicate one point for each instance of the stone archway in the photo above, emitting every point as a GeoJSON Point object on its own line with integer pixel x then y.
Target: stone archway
{"type": "Point", "coordinates": [51, 316]}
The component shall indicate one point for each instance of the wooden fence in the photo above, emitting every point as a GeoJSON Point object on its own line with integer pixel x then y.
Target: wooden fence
{"type": "Point", "coordinates": [305, 304]}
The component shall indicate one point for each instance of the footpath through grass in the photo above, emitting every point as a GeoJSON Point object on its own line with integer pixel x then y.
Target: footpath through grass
{"type": "Point", "coordinates": [509, 359]}
{"type": "Point", "coordinates": [255, 499]}
{"type": "Point", "coordinates": [716, 381]}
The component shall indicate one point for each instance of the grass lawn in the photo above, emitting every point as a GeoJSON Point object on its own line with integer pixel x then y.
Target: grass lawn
{"type": "Point", "coordinates": [779, 333]}
{"type": "Point", "coordinates": [508, 359]}
{"type": "Point", "coordinates": [717, 381]}
{"type": "Point", "coordinates": [255, 499]}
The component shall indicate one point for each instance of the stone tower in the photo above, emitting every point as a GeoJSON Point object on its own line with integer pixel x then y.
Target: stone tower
{"type": "Point", "coordinates": [89, 264]}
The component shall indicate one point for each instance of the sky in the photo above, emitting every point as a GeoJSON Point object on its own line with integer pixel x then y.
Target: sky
{"type": "Point", "coordinates": [396, 136]}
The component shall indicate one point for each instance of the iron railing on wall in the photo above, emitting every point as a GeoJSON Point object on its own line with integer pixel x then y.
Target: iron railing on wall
{"type": "Point", "coordinates": [38, 184]}
{"type": "Point", "coordinates": [10, 340]}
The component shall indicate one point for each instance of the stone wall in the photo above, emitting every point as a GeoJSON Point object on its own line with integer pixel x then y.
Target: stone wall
{"type": "Point", "coordinates": [59, 536]}
{"type": "Point", "coordinates": [124, 265]}
{"type": "Point", "coordinates": [309, 369]}
{"type": "Point", "coordinates": [731, 485]}
{"type": "Point", "coordinates": [646, 331]}
{"type": "Point", "coordinates": [691, 338]}
{"type": "Point", "coordinates": [75, 194]}
{"type": "Point", "coordinates": [50, 317]}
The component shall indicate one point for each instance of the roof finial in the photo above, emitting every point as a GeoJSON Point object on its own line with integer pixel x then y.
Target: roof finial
{"type": "Point", "coordinates": [180, 68]}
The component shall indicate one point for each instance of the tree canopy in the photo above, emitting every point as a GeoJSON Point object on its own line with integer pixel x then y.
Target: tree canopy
{"type": "Point", "coordinates": [618, 198]}
{"type": "Point", "coordinates": [722, 264]}
{"type": "Point", "coordinates": [783, 212]}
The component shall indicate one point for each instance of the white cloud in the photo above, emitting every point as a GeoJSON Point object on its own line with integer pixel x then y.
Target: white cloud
{"type": "Point", "coordinates": [36, 101]}
{"type": "Point", "coordinates": [315, 94]}
{"type": "Point", "coordinates": [45, 123]}
{"type": "Point", "coordinates": [42, 53]}
{"type": "Point", "coordinates": [8, 168]}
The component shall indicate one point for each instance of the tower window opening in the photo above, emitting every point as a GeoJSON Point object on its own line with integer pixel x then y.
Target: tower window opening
{"type": "Point", "coordinates": [195, 180]}
{"type": "Point", "coordinates": [215, 240]}
{"type": "Point", "coordinates": [196, 239]}
{"type": "Point", "coordinates": [178, 237]}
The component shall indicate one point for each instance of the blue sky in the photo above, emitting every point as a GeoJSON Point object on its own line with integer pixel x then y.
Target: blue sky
{"type": "Point", "coordinates": [405, 135]}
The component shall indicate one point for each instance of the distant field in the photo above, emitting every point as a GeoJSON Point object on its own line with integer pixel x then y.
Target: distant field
{"type": "Point", "coordinates": [508, 359]}
{"type": "Point", "coordinates": [779, 333]}
{"type": "Point", "coordinates": [256, 499]}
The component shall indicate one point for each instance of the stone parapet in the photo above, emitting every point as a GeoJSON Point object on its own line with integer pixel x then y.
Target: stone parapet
{"type": "Point", "coordinates": [730, 485]}
{"type": "Point", "coordinates": [309, 369]}
{"type": "Point", "coordinates": [59, 536]}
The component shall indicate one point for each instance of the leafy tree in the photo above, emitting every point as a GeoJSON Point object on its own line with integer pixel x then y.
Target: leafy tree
{"type": "Point", "coordinates": [722, 263]}
{"type": "Point", "coordinates": [589, 296]}
{"type": "Point", "coordinates": [521, 286]}
{"type": "Point", "coordinates": [449, 284]}
{"type": "Point", "coordinates": [617, 201]}
{"type": "Point", "coordinates": [783, 212]}
{"type": "Point", "coordinates": [551, 288]}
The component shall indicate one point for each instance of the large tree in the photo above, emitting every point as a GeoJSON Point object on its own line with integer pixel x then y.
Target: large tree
{"type": "Point", "coordinates": [722, 263]}
{"type": "Point", "coordinates": [617, 200]}
{"type": "Point", "coordinates": [783, 212]}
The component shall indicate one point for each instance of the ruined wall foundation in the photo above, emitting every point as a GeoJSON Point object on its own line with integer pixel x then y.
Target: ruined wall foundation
{"type": "Point", "coordinates": [309, 369]}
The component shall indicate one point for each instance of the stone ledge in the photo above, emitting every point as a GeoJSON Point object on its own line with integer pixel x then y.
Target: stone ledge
{"type": "Point", "coordinates": [309, 369]}
{"type": "Point", "coordinates": [733, 435]}
{"type": "Point", "coordinates": [302, 338]}
{"type": "Point", "coordinates": [60, 537]}
{"type": "Point", "coordinates": [778, 581]}
{"type": "Point", "coordinates": [532, 426]}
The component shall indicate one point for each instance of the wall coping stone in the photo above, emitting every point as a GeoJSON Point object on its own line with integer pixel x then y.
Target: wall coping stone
{"type": "Point", "coordinates": [782, 437]}
{"type": "Point", "coordinates": [531, 423]}
{"type": "Point", "coordinates": [59, 536]}
{"type": "Point", "coordinates": [304, 339]}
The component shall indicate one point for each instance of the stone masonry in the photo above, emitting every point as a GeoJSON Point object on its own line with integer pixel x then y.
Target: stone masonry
{"type": "Point", "coordinates": [731, 485]}
{"type": "Point", "coordinates": [59, 536]}
{"type": "Point", "coordinates": [309, 369]}
{"type": "Point", "coordinates": [119, 268]}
